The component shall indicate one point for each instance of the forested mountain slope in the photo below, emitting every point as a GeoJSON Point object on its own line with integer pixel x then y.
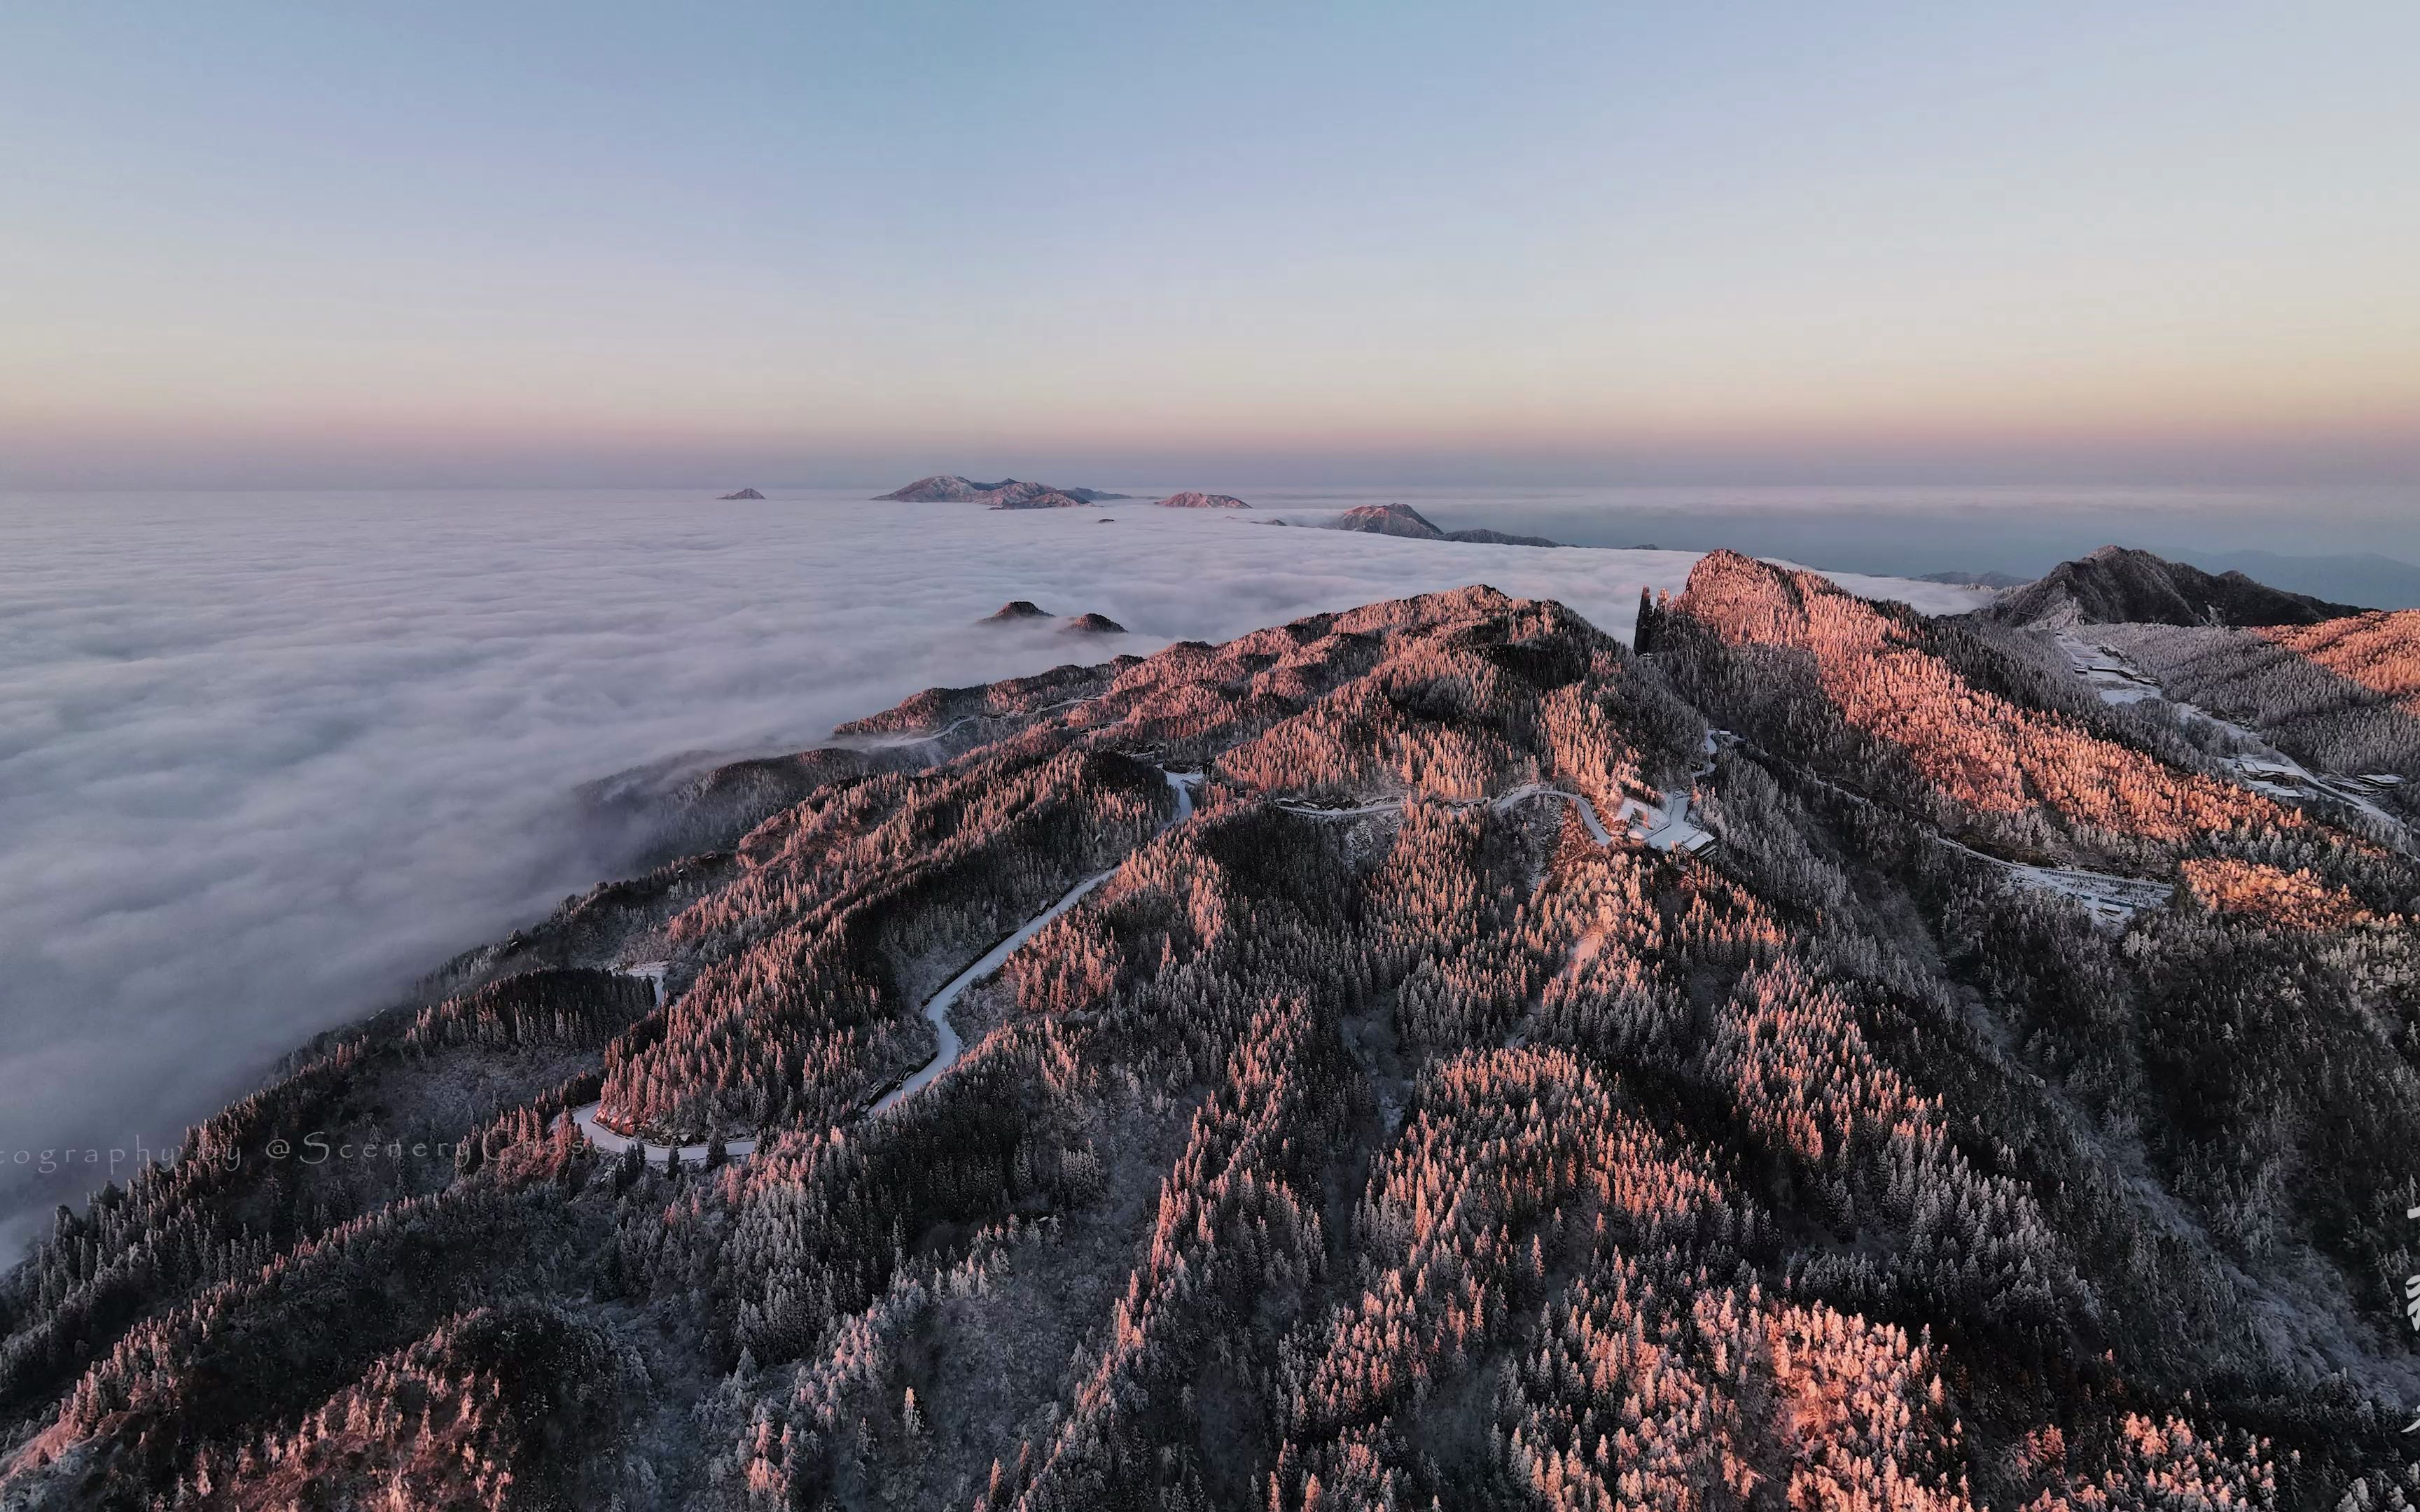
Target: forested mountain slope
{"type": "Point", "coordinates": [2343, 694]}
{"type": "Point", "coordinates": [1376, 1136]}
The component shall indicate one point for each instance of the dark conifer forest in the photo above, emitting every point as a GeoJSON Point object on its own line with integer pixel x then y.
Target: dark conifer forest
{"type": "Point", "coordinates": [1393, 1127]}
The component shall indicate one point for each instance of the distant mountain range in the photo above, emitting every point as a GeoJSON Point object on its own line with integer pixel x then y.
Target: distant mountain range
{"type": "Point", "coordinates": [1008, 493]}
{"type": "Point", "coordinates": [2118, 585]}
{"type": "Point", "coordinates": [1409, 523]}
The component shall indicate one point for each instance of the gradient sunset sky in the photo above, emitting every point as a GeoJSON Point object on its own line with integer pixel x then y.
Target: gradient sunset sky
{"type": "Point", "coordinates": [632, 242]}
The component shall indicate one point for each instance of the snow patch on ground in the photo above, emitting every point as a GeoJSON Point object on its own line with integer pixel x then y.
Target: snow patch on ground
{"type": "Point", "coordinates": [2265, 770]}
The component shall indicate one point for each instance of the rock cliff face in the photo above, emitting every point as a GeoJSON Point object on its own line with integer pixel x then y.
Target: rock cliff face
{"type": "Point", "coordinates": [1373, 1123]}
{"type": "Point", "coordinates": [2115, 585]}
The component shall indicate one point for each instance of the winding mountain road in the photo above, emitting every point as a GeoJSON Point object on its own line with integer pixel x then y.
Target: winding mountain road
{"type": "Point", "coordinates": [612, 1142]}
{"type": "Point", "coordinates": [894, 740]}
{"type": "Point", "coordinates": [1665, 827]}
{"type": "Point", "coordinates": [936, 1010]}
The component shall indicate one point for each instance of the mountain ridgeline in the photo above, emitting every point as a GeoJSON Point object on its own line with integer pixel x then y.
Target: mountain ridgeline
{"type": "Point", "coordinates": [2246, 672]}
{"type": "Point", "coordinates": [1008, 493]}
{"type": "Point", "coordinates": [1409, 523]}
{"type": "Point", "coordinates": [1377, 1126]}
{"type": "Point", "coordinates": [2116, 585]}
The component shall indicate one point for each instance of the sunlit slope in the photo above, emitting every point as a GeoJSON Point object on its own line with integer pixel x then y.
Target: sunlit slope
{"type": "Point", "coordinates": [1389, 1130]}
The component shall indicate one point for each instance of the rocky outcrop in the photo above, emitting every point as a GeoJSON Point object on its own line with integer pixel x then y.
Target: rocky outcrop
{"type": "Point", "coordinates": [1094, 624]}
{"type": "Point", "coordinates": [1016, 610]}
{"type": "Point", "coordinates": [1195, 498]}
{"type": "Point", "coordinates": [2116, 585]}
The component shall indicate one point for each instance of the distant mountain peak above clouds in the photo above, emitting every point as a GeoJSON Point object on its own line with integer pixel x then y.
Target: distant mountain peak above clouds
{"type": "Point", "coordinates": [1196, 499]}
{"type": "Point", "coordinates": [1008, 493]}
{"type": "Point", "coordinates": [2120, 585]}
{"type": "Point", "coordinates": [941, 488]}
{"type": "Point", "coordinates": [1388, 520]}
{"type": "Point", "coordinates": [1026, 612]}
{"type": "Point", "coordinates": [1409, 523]}
{"type": "Point", "coordinates": [744, 493]}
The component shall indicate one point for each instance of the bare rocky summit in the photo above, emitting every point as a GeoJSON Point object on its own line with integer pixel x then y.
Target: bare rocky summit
{"type": "Point", "coordinates": [1194, 499]}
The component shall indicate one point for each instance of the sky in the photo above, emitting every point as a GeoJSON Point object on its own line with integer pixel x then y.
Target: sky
{"type": "Point", "coordinates": [634, 243]}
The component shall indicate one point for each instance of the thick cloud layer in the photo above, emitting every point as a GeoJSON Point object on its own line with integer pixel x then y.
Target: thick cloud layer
{"type": "Point", "coordinates": [263, 760]}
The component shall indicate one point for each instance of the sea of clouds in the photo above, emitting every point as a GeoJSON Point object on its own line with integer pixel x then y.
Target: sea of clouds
{"type": "Point", "coordinates": [264, 760]}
